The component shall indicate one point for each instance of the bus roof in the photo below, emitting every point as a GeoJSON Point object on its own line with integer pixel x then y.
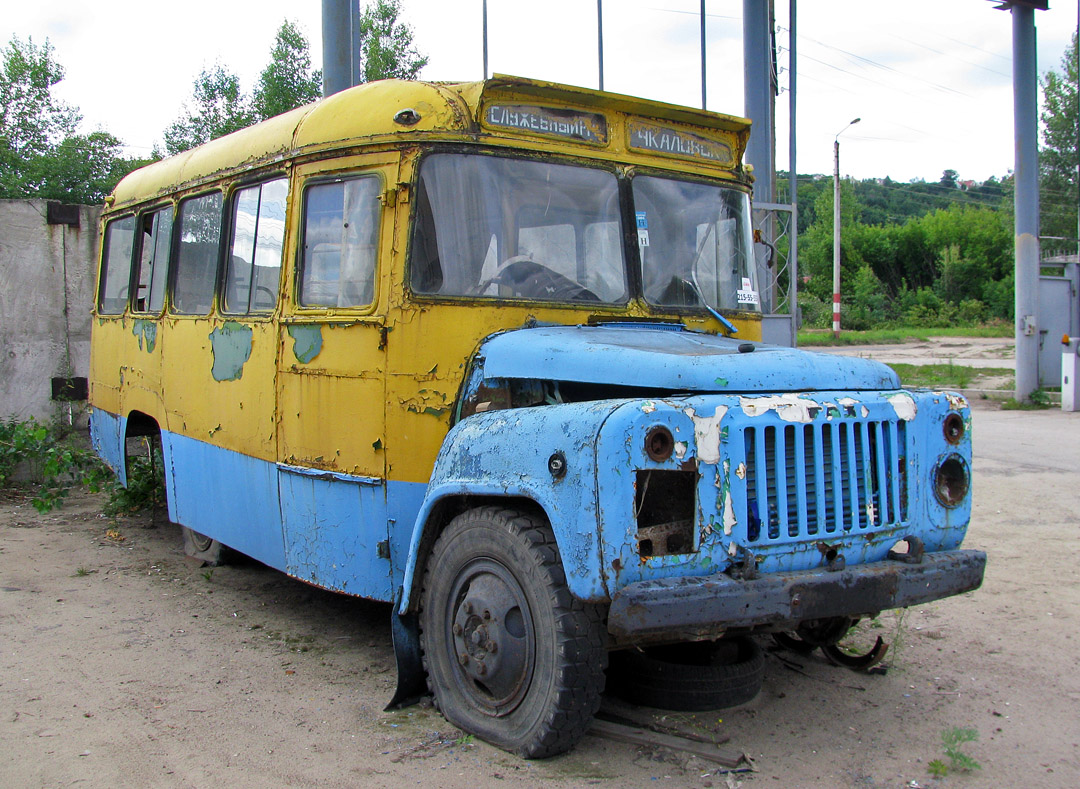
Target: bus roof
{"type": "Point", "coordinates": [372, 113]}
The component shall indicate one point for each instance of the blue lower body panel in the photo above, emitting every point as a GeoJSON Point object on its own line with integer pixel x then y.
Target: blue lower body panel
{"type": "Point", "coordinates": [341, 532]}
{"type": "Point", "coordinates": [225, 495]}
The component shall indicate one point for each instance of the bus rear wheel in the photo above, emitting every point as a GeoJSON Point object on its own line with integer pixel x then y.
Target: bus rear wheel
{"type": "Point", "coordinates": [510, 655]}
{"type": "Point", "coordinates": [206, 549]}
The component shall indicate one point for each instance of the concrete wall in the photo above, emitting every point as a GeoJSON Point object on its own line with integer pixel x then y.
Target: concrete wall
{"type": "Point", "coordinates": [47, 275]}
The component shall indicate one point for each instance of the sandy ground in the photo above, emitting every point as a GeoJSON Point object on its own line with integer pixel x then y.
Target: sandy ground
{"type": "Point", "coordinates": [968, 351]}
{"type": "Point", "coordinates": [122, 664]}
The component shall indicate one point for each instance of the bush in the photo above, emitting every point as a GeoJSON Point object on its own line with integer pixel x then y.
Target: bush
{"type": "Point", "coordinates": [53, 463]}
{"type": "Point", "coordinates": [816, 314]}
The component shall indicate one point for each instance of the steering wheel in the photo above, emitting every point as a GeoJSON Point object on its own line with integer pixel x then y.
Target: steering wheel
{"type": "Point", "coordinates": [532, 280]}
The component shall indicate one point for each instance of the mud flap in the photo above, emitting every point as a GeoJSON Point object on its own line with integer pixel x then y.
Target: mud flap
{"type": "Point", "coordinates": [411, 684]}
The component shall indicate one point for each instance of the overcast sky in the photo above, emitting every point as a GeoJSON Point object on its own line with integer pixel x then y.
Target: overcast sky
{"type": "Point", "coordinates": [931, 79]}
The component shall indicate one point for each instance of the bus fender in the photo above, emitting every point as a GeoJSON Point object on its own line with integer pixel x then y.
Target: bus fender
{"type": "Point", "coordinates": [509, 455]}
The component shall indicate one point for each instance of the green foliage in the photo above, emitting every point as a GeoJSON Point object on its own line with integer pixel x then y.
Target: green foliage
{"type": "Point", "coordinates": [218, 104]}
{"type": "Point", "coordinates": [952, 741]}
{"type": "Point", "coordinates": [1057, 159]}
{"type": "Point", "coordinates": [812, 338]}
{"type": "Point", "coordinates": [217, 107]}
{"type": "Point", "coordinates": [867, 303]}
{"type": "Point", "coordinates": [949, 375]}
{"type": "Point", "coordinates": [145, 484]}
{"type": "Point", "coordinates": [54, 464]}
{"type": "Point", "coordinates": [41, 153]}
{"type": "Point", "coordinates": [387, 44]}
{"type": "Point", "coordinates": [1038, 400]}
{"type": "Point", "coordinates": [288, 81]}
{"type": "Point", "coordinates": [32, 121]}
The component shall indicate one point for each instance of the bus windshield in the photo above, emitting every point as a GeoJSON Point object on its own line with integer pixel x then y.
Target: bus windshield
{"type": "Point", "coordinates": [696, 245]}
{"type": "Point", "coordinates": [517, 228]}
{"type": "Point", "coordinates": [500, 227]}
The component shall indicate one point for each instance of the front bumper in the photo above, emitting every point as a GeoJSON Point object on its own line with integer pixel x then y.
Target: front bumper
{"type": "Point", "coordinates": [698, 607]}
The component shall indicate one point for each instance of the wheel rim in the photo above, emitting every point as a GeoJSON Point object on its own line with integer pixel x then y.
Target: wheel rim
{"type": "Point", "coordinates": [201, 542]}
{"type": "Point", "coordinates": [491, 629]}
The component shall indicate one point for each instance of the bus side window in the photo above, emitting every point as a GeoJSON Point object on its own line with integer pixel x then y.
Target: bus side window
{"type": "Point", "coordinates": [341, 229]}
{"type": "Point", "coordinates": [153, 260]}
{"type": "Point", "coordinates": [197, 255]}
{"type": "Point", "coordinates": [116, 266]}
{"type": "Point", "coordinates": [253, 269]}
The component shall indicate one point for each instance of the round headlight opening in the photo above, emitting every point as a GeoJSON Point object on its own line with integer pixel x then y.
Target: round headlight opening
{"type": "Point", "coordinates": [659, 443]}
{"type": "Point", "coordinates": [953, 428]}
{"type": "Point", "coordinates": [951, 481]}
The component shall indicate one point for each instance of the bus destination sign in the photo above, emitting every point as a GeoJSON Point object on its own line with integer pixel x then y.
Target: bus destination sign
{"type": "Point", "coordinates": [549, 121]}
{"type": "Point", "coordinates": [647, 136]}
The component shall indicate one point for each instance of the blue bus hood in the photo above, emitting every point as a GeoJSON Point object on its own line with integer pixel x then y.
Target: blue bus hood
{"type": "Point", "coordinates": [673, 359]}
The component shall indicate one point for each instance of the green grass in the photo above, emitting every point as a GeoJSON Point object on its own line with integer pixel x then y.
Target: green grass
{"type": "Point", "coordinates": [810, 337]}
{"type": "Point", "coordinates": [955, 376]}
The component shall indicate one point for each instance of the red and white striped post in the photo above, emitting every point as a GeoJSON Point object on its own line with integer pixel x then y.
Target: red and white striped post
{"type": "Point", "coordinates": [836, 231]}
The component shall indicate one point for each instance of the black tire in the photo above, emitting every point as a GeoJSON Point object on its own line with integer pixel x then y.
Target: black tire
{"type": "Point", "coordinates": [510, 655]}
{"type": "Point", "coordinates": [691, 677]}
{"type": "Point", "coordinates": [206, 549]}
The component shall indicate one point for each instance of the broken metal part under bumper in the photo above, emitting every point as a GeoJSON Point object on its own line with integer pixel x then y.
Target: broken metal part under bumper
{"type": "Point", "coordinates": [698, 607]}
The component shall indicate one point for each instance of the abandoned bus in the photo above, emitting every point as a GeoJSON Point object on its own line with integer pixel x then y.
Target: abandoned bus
{"type": "Point", "coordinates": [490, 352]}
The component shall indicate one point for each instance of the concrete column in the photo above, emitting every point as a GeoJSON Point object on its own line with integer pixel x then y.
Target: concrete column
{"type": "Point", "coordinates": [1025, 120]}
{"type": "Point", "coordinates": [758, 89]}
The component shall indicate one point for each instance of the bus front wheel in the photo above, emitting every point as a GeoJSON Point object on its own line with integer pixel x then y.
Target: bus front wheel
{"type": "Point", "coordinates": [205, 549]}
{"type": "Point", "coordinates": [510, 655]}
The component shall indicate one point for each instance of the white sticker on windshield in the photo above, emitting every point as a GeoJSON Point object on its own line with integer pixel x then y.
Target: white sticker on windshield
{"type": "Point", "coordinates": [747, 284]}
{"type": "Point", "coordinates": [642, 221]}
{"type": "Point", "coordinates": [748, 297]}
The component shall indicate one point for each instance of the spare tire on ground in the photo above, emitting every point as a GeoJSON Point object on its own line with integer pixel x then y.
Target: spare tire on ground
{"type": "Point", "coordinates": [688, 677]}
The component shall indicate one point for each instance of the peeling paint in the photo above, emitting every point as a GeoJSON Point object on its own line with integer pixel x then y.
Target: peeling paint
{"type": "Point", "coordinates": [956, 402]}
{"type": "Point", "coordinates": [904, 406]}
{"type": "Point", "coordinates": [729, 513]}
{"type": "Point", "coordinates": [427, 401]}
{"type": "Point", "coordinates": [680, 449]}
{"type": "Point", "coordinates": [740, 471]}
{"type": "Point", "coordinates": [231, 345]}
{"type": "Point", "coordinates": [145, 330]}
{"type": "Point", "coordinates": [307, 342]}
{"type": "Point", "coordinates": [648, 407]}
{"type": "Point", "coordinates": [707, 434]}
{"type": "Point", "coordinates": [790, 408]}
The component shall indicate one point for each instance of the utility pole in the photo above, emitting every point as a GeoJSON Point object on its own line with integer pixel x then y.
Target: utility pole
{"type": "Point", "coordinates": [341, 45]}
{"type": "Point", "coordinates": [836, 231]}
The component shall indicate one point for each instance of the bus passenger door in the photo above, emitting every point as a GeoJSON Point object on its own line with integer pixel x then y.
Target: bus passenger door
{"type": "Point", "coordinates": [331, 382]}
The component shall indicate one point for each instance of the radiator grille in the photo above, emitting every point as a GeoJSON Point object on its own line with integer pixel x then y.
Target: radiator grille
{"type": "Point", "coordinates": [840, 476]}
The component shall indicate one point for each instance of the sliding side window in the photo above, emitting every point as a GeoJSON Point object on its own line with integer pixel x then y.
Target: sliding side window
{"type": "Point", "coordinates": [199, 227]}
{"type": "Point", "coordinates": [116, 266]}
{"type": "Point", "coordinates": [153, 260]}
{"type": "Point", "coordinates": [258, 232]}
{"type": "Point", "coordinates": [341, 231]}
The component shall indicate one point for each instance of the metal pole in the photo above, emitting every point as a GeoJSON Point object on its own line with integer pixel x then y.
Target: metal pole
{"type": "Point", "coordinates": [485, 41]}
{"type": "Point", "coordinates": [600, 38]}
{"type": "Point", "coordinates": [836, 239]}
{"type": "Point", "coordinates": [793, 226]}
{"type": "Point", "coordinates": [703, 93]}
{"type": "Point", "coordinates": [1025, 115]}
{"type": "Point", "coordinates": [339, 70]}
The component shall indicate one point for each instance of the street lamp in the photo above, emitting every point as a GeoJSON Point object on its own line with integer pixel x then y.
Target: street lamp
{"type": "Point", "coordinates": [836, 231]}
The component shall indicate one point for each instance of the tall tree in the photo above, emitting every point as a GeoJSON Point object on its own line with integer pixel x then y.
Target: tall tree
{"type": "Point", "coordinates": [32, 120]}
{"type": "Point", "coordinates": [288, 81]}
{"type": "Point", "coordinates": [1058, 157]}
{"type": "Point", "coordinates": [83, 168]}
{"type": "Point", "coordinates": [387, 44]}
{"type": "Point", "coordinates": [218, 106]}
